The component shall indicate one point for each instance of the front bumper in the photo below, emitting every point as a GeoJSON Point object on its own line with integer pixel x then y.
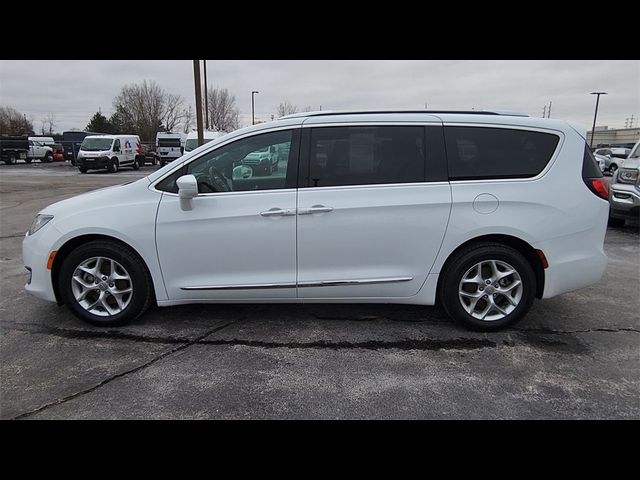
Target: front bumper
{"type": "Point", "coordinates": [624, 200]}
{"type": "Point", "coordinates": [99, 162]}
{"type": "Point", "coordinates": [35, 253]}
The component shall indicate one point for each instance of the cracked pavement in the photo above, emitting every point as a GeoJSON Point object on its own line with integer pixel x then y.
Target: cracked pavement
{"type": "Point", "coordinates": [574, 356]}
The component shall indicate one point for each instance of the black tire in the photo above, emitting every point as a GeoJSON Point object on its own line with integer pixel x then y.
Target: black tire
{"type": "Point", "coordinates": [48, 158]}
{"type": "Point", "coordinates": [82, 169]}
{"type": "Point", "coordinates": [136, 164]}
{"type": "Point", "coordinates": [162, 163]}
{"type": "Point", "coordinates": [467, 258]}
{"type": "Point", "coordinates": [616, 222]}
{"type": "Point", "coordinates": [612, 169]}
{"type": "Point", "coordinates": [141, 282]}
{"type": "Point", "coordinates": [114, 165]}
{"type": "Point", "coordinates": [28, 160]}
{"type": "Point", "coordinates": [154, 161]}
{"type": "Point", "coordinates": [12, 160]}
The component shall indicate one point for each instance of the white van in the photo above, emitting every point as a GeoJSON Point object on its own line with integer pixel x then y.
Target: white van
{"type": "Point", "coordinates": [170, 146]}
{"type": "Point", "coordinates": [110, 152]}
{"type": "Point", "coordinates": [192, 138]}
{"type": "Point", "coordinates": [480, 211]}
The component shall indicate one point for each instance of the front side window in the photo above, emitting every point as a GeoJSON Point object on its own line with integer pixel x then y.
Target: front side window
{"type": "Point", "coordinates": [366, 155]}
{"type": "Point", "coordinates": [261, 162]}
{"type": "Point", "coordinates": [488, 153]}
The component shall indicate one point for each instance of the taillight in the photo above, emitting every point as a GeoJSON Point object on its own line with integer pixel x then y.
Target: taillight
{"type": "Point", "coordinates": [600, 187]}
{"type": "Point", "coordinates": [592, 176]}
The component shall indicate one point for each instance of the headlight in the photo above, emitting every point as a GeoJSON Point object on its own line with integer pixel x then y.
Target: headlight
{"type": "Point", "coordinates": [39, 222]}
{"type": "Point", "coordinates": [627, 175]}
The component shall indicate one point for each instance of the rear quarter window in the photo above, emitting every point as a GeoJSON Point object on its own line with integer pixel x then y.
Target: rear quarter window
{"type": "Point", "coordinates": [488, 153]}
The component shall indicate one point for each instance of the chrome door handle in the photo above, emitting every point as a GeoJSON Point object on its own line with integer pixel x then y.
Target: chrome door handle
{"type": "Point", "coordinates": [278, 212]}
{"type": "Point", "coordinates": [314, 209]}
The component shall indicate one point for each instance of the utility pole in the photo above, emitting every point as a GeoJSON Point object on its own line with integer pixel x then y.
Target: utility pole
{"type": "Point", "coordinates": [544, 112]}
{"type": "Point", "coordinates": [206, 97]}
{"type": "Point", "coordinates": [198, 88]}
{"type": "Point", "coordinates": [549, 111]}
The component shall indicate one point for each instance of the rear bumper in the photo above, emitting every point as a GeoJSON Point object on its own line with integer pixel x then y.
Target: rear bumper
{"type": "Point", "coordinates": [576, 260]}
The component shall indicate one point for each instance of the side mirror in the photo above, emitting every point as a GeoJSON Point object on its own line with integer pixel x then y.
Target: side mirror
{"type": "Point", "coordinates": [187, 187]}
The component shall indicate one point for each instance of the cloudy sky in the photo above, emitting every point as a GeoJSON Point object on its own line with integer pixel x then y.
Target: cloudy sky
{"type": "Point", "coordinates": [74, 90]}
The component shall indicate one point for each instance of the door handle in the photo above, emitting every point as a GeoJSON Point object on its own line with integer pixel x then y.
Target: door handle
{"type": "Point", "coordinates": [278, 212]}
{"type": "Point", "coordinates": [314, 209]}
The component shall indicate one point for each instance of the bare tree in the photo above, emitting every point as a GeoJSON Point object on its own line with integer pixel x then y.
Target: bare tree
{"type": "Point", "coordinates": [147, 108]}
{"type": "Point", "coordinates": [48, 123]}
{"type": "Point", "coordinates": [187, 119]}
{"type": "Point", "coordinates": [286, 108]}
{"type": "Point", "coordinates": [12, 122]}
{"type": "Point", "coordinates": [173, 110]}
{"type": "Point", "coordinates": [223, 112]}
{"type": "Point", "coordinates": [307, 108]}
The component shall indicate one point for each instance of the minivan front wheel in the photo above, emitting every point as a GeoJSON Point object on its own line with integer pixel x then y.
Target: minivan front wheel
{"type": "Point", "coordinates": [488, 287]}
{"type": "Point", "coordinates": [113, 166]}
{"type": "Point", "coordinates": [105, 284]}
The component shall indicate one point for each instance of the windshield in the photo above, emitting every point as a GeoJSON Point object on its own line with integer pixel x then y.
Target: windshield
{"type": "Point", "coordinates": [192, 143]}
{"type": "Point", "coordinates": [635, 153]}
{"type": "Point", "coordinates": [96, 144]}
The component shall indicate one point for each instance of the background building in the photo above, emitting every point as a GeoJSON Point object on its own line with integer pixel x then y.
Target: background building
{"type": "Point", "coordinates": [615, 136]}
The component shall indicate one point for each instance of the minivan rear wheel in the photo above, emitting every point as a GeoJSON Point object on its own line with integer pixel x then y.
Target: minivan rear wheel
{"type": "Point", "coordinates": [105, 284]}
{"type": "Point", "coordinates": [488, 287]}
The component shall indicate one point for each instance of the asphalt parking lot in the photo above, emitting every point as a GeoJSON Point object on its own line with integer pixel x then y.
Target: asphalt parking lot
{"type": "Point", "coordinates": [574, 356]}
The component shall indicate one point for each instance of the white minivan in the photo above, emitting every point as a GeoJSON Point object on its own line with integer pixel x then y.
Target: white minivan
{"type": "Point", "coordinates": [109, 152]}
{"type": "Point", "coordinates": [478, 211]}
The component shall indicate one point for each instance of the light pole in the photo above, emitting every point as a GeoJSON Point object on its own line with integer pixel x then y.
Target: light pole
{"type": "Point", "coordinates": [253, 106]}
{"type": "Point", "coordinates": [595, 115]}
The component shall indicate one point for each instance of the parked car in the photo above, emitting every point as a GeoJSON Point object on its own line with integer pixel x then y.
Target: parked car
{"type": "Point", "coordinates": [613, 157]}
{"type": "Point", "coordinates": [13, 148]}
{"type": "Point", "coordinates": [625, 190]}
{"type": "Point", "coordinates": [602, 161]}
{"type": "Point", "coordinates": [109, 152]}
{"type": "Point", "coordinates": [479, 211]}
{"type": "Point", "coordinates": [58, 152]}
{"type": "Point", "coordinates": [263, 161]}
{"type": "Point", "coordinates": [170, 146]}
{"type": "Point", "coordinates": [39, 151]}
{"type": "Point", "coordinates": [149, 155]}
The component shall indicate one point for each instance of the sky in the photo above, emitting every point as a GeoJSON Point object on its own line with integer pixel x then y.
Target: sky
{"type": "Point", "coordinates": [73, 90]}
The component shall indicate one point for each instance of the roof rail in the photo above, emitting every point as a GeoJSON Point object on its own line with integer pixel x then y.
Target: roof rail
{"type": "Point", "coordinates": [428, 112]}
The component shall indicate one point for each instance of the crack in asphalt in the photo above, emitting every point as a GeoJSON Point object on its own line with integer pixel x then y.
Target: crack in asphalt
{"type": "Point", "coordinates": [121, 374]}
{"type": "Point", "coordinates": [12, 236]}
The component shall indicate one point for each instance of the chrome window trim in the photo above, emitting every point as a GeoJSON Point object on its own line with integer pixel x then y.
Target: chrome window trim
{"type": "Point", "coordinates": [323, 283]}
